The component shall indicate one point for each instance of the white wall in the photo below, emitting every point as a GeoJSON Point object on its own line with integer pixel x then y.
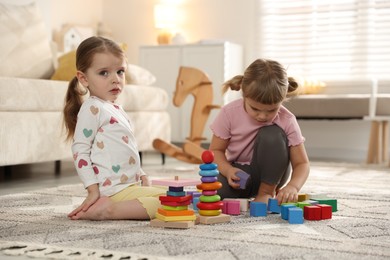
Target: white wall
{"type": "Point", "coordinates": [132, 22]}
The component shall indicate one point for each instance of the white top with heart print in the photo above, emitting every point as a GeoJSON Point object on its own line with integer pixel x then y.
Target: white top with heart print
{"type": "Point", "coordinates": [104, 147]}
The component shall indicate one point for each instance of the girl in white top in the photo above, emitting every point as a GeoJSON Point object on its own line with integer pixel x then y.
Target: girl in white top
{"type": "Point", "coordinates": [104, 148]}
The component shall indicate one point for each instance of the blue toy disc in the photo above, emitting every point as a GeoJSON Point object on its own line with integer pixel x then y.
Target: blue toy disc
{"type": "Point", "coordinates": [208, 166]}
{"type": "Point", "coordinates": [208, 173]}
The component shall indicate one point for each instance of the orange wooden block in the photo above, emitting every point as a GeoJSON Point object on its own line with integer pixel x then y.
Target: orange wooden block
{"type": "Point", "coordinates": [164, 212]}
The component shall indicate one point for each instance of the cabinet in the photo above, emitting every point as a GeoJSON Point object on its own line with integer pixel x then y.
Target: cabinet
{"type": "Point", "coordinates": [220, 61]}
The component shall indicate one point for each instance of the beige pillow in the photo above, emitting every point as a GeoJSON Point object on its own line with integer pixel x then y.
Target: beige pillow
{"type": "Point", "coordinates": [135, 75]}
{"type": "Point", "coordinates": [24, 44]}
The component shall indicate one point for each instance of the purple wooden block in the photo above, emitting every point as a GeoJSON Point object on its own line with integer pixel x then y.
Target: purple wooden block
{"type": "Point", "coordinates": [244, 177]}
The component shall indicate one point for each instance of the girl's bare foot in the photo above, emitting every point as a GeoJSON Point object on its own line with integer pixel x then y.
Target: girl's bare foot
{"type": "Point", "coordinates": [266, 192]}
{"type": "Point", "coordinates": [100, 210]}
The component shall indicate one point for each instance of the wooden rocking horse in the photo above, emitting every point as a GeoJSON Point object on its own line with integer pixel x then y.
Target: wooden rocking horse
{"type": "Point", "coordinates": [191, 81]}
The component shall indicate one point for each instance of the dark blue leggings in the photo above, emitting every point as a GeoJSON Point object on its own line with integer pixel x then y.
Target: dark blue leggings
{"type": "Point", "coordinates": [270, 164]}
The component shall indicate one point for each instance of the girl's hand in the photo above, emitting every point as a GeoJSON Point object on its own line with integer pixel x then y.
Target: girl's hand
{"type": "Point", "coordinates": [287, 194]}
{"type": "Point", "coordinates": [145, 180]}
{"type": "Point", "coordinates": [232, 178]}
{"type": "Point", "coordinates": [93, 196]}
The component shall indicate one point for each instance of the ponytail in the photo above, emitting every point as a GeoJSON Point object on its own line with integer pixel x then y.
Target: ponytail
{"type": "Point", "coordinates": [292, 87]}
{"type": "Point", "coordinates": [73, 101]}
{"type": "Point", "coordinates": [233, 84]}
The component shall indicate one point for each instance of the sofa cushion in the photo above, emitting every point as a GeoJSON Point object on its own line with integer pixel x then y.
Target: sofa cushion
{"type": "Point", "coordinates": [135, 75]}
{"type": "Point", "coordinates": [24, 46]}
{"type": "Point", "coordinates": [18, 94]}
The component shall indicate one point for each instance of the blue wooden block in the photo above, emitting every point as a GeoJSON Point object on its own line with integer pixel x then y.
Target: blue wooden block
{"type": "Point", "coordinates": [295, 215]}
{"type": "Point", "coordinates": [176, 193]}
{"type": "Point", "coordinates": [284, 210]}
{"type": "Point", "coordinates": [258, 209]}
{"type": "Point", "coordinates": [273, 206]}
{"type": "Point", "coordinates": [171, 188]}
{"type": "Point", "coordinates": [195, 200]}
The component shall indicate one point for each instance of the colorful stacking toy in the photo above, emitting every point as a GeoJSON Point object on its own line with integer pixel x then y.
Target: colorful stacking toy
{"type": "Point", "coordinates": [174, 212]}
{"type": "Point", "coordinates": [210, 204]}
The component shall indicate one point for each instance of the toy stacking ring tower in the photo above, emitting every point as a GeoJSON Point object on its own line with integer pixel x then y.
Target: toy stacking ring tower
{"type": "Point", "coordinates": [210, 205]}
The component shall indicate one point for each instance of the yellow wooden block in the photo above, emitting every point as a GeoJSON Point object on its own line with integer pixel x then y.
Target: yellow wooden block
{"type": "Point", "coordinates": [175, 218]}
{"type": "Point", "coordinates": [302, 197]}
{"type": "Point", "coordinates": [172, 224]}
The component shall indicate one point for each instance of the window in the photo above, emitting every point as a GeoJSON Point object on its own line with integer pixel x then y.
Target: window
{"type": "Point", "coordinates": [329, 39]}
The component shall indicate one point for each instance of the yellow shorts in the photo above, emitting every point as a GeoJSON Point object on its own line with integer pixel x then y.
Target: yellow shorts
{"type": "Point", "coordinates": [146, 195]}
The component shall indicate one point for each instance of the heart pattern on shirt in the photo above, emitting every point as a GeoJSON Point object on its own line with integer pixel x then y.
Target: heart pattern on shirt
{"type": "Point", "coordinates": [95, 169]}
{"type": "Point", "coordinates": [82, 163]}
{"type": "Point", "coordinates": [94, 110]}
{"type": "Point", "coordinates": [116, 168]}
{"type": "Point", "coordinates": [100, 130]}
{"type": "Point", "coordinates": [124, 178]}
{"type": "Point", "coordinates": [107, 182]}
{"type": "Point", "coordinates": [87, 132]}
{"type": "Point", "coordinates": [113, 120]}
{"type": "Point", "coordinates": [116, 106]}
{"type": "Point", "coordinates": [125, 139]}
{"type": "Point", "coordinates": [100, 144]}
{"type": "Point", "coordinates": [131, 160]}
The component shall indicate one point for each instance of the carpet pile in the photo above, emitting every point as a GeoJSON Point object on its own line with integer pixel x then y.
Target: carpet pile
{"type": "Point", "coordinates": [34, 224]}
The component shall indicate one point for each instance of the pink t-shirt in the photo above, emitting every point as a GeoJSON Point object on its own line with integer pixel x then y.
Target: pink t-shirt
{"type": "Point", "coordinates": [234, 123]}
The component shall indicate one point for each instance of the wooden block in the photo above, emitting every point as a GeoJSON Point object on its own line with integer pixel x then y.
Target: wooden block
{"type": "Point", "coordinates": [284, 210]}
{"type": "Point", "coordinates": [175, 212]}
{"type": "Point", "coordinates": [326, 211]}
{"type": "Point", "coordinates": [175, 204]}
{"type": "Point", "coordinates": [273, 206]}
{"type": "Point", "coordinates": [231, 207]}
{"type": "Point", "coordinates": [312, 213]}
{"type": "Point", "coordinates": [175, 224]}
{"type": "Point", "coordinates": [302, 197]}
{"type": "Point", "coordinates": [258, 209]}
{"type": "Point", "coordinates": [176, 208]}
{"type": "Point", "coordinates": [208, 220]}
{"type": "Point", "coordinates": [175, 218]}
{"type": "Point", "coordinates": [244, 178]}
{"type": "Point", "coordinates": [295, 215]}
{"type": "Point", "coordinates": [327, 201]}
{"type": "Point", "coordinates": [175, 199]}
{"type": "Point", "coordinates": [176, 183]}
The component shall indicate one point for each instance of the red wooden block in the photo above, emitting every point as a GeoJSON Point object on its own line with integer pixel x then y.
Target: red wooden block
{"type": "Point", "coordinates": [326, 211]}
{"type": "Point", "coordinates": [175, 204]}
{"type": "Point", "coordinates": [175, 199]}
{"type": "Point", "coordinates": [312, 213]}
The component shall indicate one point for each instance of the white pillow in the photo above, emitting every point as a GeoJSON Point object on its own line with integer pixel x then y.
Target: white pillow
{"type": "Point", "coordinates": [24, 45]}
{"type": "Point", "coordinates": [140, 76]}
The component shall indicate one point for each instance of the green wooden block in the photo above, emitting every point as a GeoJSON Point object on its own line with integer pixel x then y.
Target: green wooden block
{"type": "Point", "coordinates": [303, 204]}
{"type": "Point", "coordinates": [327, 201]}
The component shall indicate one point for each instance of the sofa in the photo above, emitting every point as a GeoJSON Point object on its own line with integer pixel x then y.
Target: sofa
{"type": "Point", "coordinates": [31, 128]}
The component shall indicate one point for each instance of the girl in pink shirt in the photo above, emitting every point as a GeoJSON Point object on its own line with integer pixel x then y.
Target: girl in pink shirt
{"type": "Point", "coordinates": [258, 135]}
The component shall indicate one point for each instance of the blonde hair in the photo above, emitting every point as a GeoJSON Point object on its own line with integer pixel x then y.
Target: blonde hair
{"type": "Point", "coordinates": [264, 81]}
{"type": "Point", "coordinates": [84, 58]}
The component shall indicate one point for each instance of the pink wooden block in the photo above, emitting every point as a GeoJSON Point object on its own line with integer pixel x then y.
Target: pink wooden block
{"type": "Point", "coordinates": [176, 183]}
{"type": "Point", "coordinates": [231, 207]}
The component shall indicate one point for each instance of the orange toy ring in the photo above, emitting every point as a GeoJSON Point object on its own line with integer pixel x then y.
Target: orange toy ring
{"type": "Point", "coordinates": [209, 186]}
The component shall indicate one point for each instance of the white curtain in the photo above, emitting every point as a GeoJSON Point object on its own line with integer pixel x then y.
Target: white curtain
{"type": "Point", "coordinates": [326, 39]}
